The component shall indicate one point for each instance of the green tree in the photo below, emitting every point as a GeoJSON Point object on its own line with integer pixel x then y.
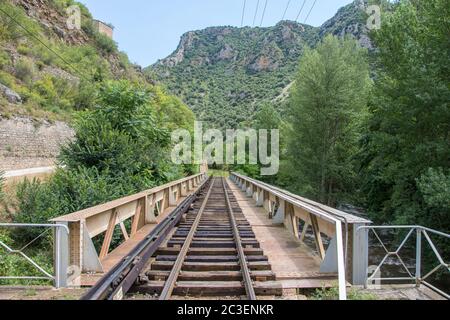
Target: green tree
{"type": "Point", "coordinates": [120, 148]}
{"type": "Point", "coordinates": [327, 103]}
{"type": "Point", "coordinates": [405, 155]}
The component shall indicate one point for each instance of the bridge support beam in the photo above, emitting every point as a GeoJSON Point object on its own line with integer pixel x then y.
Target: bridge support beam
{"type": "Point", "coordinates": [75, 253]}
{"type": "Point", "coordinates": [61, 259]}
{"type": "Point", "coordinates": [360, 254]}
{"type": "Point", "coordinates": [286, 208]}
{"type": "Point", "coordinates": [279, 216]}
{"type": "Point", "coordinates": [260, 200]}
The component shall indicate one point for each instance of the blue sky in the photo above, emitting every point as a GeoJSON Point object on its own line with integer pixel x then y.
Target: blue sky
{"type": "Point", "coordinates": [149, 30]}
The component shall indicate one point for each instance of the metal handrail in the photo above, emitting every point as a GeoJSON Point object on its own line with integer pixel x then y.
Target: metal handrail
{"type": "Point", "coordinates": [47, 276]}
{"type": "Point", "coordinates": [417, 277]}
{"type": "Point", "coordinates": [340, 254]}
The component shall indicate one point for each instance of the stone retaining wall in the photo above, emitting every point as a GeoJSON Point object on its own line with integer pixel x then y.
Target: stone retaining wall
{"type": "Point", "coordinates": [27, 143]}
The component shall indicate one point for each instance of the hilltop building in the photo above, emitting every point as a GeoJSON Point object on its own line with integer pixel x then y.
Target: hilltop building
{"type": "Point", "coordinates": [104, 28]}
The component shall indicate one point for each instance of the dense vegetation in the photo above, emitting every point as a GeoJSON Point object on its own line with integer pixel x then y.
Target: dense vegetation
{"type": "Point", "coordinates": [63, 75]}
{"type": "Point", "coordinates": [121, 147]}
{"type": "Point", "coordinates": [385, 142]}
{"type": "Point", "coordinates": [327, 105]}
{"type": "Point", "coordinates": [226, 74]}
{"type": "Point", "coordinates": [405, 151]}
{"type": "Point", "coordinates": [122, 122]}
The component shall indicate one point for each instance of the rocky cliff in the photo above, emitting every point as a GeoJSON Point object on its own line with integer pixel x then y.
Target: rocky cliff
{"type": "Point", "coordinates": [226, 73]}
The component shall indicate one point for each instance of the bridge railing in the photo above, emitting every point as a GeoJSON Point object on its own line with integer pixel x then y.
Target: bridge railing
{"type": "Point", "coordinates": [422, 235]}
{"type": "Point", "coordinates": [349, 258]}
{"type": "Point", "coordinates": [59, 231]}
{"type": "Point", "coordinates": [132, 214]}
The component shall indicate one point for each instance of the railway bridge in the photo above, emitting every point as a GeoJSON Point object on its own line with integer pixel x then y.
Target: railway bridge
{"type": "Point", "coordinates": [211, 236]}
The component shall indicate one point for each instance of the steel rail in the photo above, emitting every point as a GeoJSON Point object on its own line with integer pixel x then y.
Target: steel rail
{"type": "Point", "coordinates": [118, 281]}
{"type": "Point", "coordinates": [237, 238]}
{"type": "Point", "coordinates": [318, 211]}
{"type": "Point", "coordinates": [171, 280]}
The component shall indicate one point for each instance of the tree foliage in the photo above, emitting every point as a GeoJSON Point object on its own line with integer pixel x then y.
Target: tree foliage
{"type": "Point", "coordinates": [405, 154]}
{"type": "Point", "coordinates": [120, 148]}
{"type": "Point", "coordinates": [327, 104]}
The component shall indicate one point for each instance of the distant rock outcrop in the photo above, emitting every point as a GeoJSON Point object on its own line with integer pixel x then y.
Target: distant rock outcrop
{"type": "Point", "coordinates": [10, 95]}
{"type": "Point", "coordinates": [225, 73]}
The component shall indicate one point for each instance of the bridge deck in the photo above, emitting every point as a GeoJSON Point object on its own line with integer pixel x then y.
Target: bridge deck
{"type": "Point", "coordinates": [115, 256]}
{"type": "Point", "coordinates": [293, 262]}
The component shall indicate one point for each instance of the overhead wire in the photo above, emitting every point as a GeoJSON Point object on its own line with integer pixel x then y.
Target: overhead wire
{"type": "Point", "coordinates": [312, 7]}
{"type": "Point", "coordinates": [243, 14]}
{"type": "Point", "coordinates": [43, 43]}
{"type": "Point", "coordinates": [285, 11]}
{"type": "Point", "coordinates": [256, 13]}
{"type": "Point", "coordinates": [264, 13]}
{"type": "Point", "coordinates": [301, 10]}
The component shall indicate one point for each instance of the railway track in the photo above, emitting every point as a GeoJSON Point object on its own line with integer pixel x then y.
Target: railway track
{"type": "Point", "coordinates": [207, 250]}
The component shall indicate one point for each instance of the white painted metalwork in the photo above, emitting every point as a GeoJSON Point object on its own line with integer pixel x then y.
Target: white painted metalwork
{"type": "Point", "coordinates": [320, 213]}
{"type": "Point", "coordinates": [59, 229]}
{"type": "Point", "coordinates": [420, 232]}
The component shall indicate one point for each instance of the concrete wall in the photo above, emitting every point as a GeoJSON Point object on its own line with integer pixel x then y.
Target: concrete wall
{"type": "Point", "coordinates": [103, 28]}
{"type": "Point", "coordinates": [27, 143]}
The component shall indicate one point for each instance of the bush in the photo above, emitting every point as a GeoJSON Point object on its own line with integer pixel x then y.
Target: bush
{"type": "Point", "coordinates": [4, 59]}
{"type": "Point", "coordinates": [119, 149]}
{"type": "Point", "coordinates": [85, 97]}
{"type": "Point", "coordinates": [66, 192]}
{"type": "Point", "coordinates": [333, 294]}
{"type": "Point", "coordinates": [25, 70]}
{"type": "Point", "coordinates": [15, 265]}
{"type": "Point", "coordinates": [105, 43]}
{"type": "Point", "coordinates": [12, 31]}
{"type": "Point", "coordinates": [6, 79]}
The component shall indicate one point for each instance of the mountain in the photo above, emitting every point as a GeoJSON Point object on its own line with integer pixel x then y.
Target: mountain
{"type": "Point", "coordinates": [47, 70]}
{"type": "Point", "coordinates": [225, 74]}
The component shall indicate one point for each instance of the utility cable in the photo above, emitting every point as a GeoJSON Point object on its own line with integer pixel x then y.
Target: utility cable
{"type": "Point", "coordinates": [264, 13]}
{"type": "Point", "coordinates": [301, 9]}
{"type": "Point", "coordinates": [312, 7]}
{"type": "Point", "coordinates": [256, 13]}
{"type": "Point", "coordinates": [285, 11]}
{"type": "Point", "coordinates": [243, 13]}
{"type": "Point", "coordinates": [44, 44]}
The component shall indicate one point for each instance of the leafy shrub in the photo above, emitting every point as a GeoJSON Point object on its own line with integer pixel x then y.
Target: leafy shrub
{"type": "Point", "coordinates": [6, 79]}
{"type": "Point", "coordinates": [23, 49]}
{"type": "Point", "coordinates": [119, 149]}
{"type": "Point", "coordinates": [333, 294]}
{"type": "Point", "coordinates": [12, 31]}
{"type": "Point", "coordinates": [25, 70]}
{"type": "Point", "coordinates": [4, 59]}
{"type": "Point", "coordinates": [85, 97]}
{"type": "Point", "coordinates": [105, 43]}
{"type": "Point", "coordinates": [66, 192]}
{"type": "Point", "coordinates": [435, 187]}
{"type": "Point", "coordinates": [15, 265]}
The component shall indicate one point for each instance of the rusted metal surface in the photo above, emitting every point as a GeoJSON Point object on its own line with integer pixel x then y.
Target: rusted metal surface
{"type": "Point", "coordinates": [237, 237]}
{"type": "Point", "coordinates": [213, 252]}
{"type": "Point", "coordinates": [170, 283]}
{"type": "Point", "coordinates": [116, 283]}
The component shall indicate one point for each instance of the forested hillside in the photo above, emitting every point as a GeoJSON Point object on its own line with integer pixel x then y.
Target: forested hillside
{"type": "Point", "coordinates": [121, 119]}
{"type": "Point", "coordinates": [48, 70]}
{"type": "Point", "coordinates": [225, 74]}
